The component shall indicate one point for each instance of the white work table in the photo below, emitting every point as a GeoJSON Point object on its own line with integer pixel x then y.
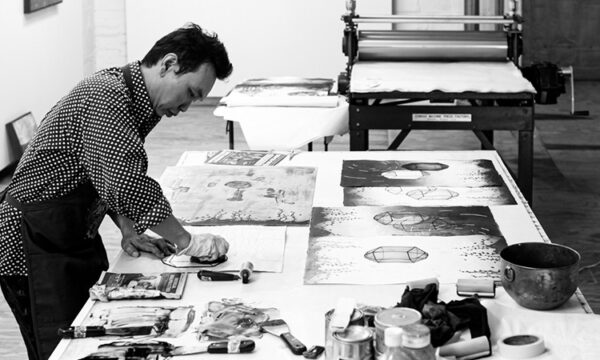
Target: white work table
{"type": "Point", "coordinates": [567, 330]}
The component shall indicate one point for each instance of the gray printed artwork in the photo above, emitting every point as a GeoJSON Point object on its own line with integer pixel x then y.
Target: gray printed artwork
{"type": "Point", "coordinates": [397, 244]}
{"type": "Point", "coordinates": [284, 87]}
{"type": "Point", "coordinates": [403, 221]}
{"type": "Point", "coordinates": [240, 195]}
{"type": "Point", "coordinates": [246, 158]}
{"type": "Point", "coordinates": [400, 259]}
{"type": "Point", "coordinates": [395, 173]}
{"type": "Point", "coordinates": [428, 196]}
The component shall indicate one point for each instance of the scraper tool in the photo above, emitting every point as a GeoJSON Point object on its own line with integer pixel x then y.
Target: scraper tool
{"type": "Point", "coordinates": [279, 327]}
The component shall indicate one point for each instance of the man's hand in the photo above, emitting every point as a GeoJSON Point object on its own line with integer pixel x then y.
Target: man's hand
{"type": "Point", "coordinates": [133, 244]}
{"type": "Point", "coordinates": [206, 247]}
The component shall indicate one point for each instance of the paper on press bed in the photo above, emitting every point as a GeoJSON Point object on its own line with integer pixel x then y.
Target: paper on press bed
{"type": "Point", "coordinates": [451, 77]}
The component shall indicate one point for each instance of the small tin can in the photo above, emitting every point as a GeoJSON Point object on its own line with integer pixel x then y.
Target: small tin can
{"type": "Point", "coordinates": [397, 317]}
{"type": "Point", "coordinates": [353, 343]}
{"type": "Point", "coordinates": [357, 318]}
{"type": "Point", "coordinates": [369, 311]}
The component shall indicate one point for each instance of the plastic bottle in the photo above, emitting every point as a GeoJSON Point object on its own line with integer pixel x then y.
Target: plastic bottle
{"type": "Point", "coordinates": [392, 338]}
{"type": "Point", "coordinates": [416, 343]}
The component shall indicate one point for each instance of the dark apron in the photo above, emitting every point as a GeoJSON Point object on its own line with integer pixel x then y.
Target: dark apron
{"type": "Point", "coordinates": [64, 257]}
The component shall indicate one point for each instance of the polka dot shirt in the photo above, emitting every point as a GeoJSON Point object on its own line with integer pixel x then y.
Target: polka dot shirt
{"type": "Point", "coordinates": [96, 133]}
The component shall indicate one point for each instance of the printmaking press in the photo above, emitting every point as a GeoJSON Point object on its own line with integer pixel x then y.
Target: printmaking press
{"type": "Point", "coordinates": [469, 69]}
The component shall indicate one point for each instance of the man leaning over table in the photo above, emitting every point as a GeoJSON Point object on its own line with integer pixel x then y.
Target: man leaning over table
{"type": "Point", "coordinates": [86, 160]}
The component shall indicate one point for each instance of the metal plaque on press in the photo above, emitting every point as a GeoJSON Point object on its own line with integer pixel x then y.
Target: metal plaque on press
{"type": "Point", "coordinates": [442, 117]}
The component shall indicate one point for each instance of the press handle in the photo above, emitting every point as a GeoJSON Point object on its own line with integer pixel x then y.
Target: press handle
{"type": "Point", "coordinates": [509, 273]}
{"type": "Point", "coordinates": [294, 344]}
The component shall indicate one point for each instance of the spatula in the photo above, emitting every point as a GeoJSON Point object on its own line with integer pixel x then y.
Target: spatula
{"type": "Point", "coordinates": [279, 327]}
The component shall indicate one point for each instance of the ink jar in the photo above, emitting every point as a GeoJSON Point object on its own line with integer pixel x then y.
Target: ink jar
{"type": "Point", "coordinates": [357, 318]}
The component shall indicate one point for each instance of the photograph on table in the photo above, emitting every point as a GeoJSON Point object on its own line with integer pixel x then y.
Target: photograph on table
{"type": "Point", "coordinates": [428, 196]}
{"type": "Point", "coordinates": [240, 195]}
{"type": "Point", "coordinates": [35, 5]}
{"type": "Point", "coordinates": [117, 286]}
{"type": "Point", "coordinates": [378, 260]}
{"type": "Point", "coordinates": [246, 158]}
{"type": "Point", "coordinates": [395, 173]}
{"type": "Point", "coordinates": [366, 221]}
{"type": "Point", "coordinates": [263, 246]}
{"type": "Point", "coordinates": [20, 132]}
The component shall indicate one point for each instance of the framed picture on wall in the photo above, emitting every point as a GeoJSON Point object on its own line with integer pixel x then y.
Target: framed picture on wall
{"type": "Point", "coordinates": [35, 5]}
{"type": "Point", "coordinates": [20, 132]}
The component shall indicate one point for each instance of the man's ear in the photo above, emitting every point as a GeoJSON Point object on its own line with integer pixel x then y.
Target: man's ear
{"type": "Point", "coordinates": [168, 62]}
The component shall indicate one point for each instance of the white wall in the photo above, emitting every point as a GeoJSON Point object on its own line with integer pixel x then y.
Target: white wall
{"type": "Point", "coordinates": [41, 60]}
{"type": "Point", "coordinates": [110, 37]}
{"type": "Point", "coordinates": [263, 37]}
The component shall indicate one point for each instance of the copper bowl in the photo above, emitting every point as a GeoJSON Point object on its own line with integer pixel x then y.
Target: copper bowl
{"type": "Point", "coordinates": [539, 276]}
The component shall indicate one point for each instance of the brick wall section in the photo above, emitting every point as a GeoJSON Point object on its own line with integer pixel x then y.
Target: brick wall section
{"type": "Point", "coordinates": [105, 34]}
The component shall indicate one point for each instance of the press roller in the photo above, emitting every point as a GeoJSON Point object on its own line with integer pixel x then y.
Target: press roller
{"type": "Point", "coordinates": [381, 45]}
{"type": "Point", "coordinates": [501, 45]}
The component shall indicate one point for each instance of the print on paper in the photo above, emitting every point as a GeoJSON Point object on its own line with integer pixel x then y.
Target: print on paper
{"type": "Point", "coordinates": [239, 195]}
{"type": "Point", "coordinates": [246, 158]}
{"type": "Point", "coordinates": [344, 260]}
{"type": "Point", "coordinates": [283, 91]}
{"type": "Point", "coordinates": [396, 173]}
{"type": "Point", "coordinates": [428, 196]}
{"type": "Point", "coordinates": [403, 221]}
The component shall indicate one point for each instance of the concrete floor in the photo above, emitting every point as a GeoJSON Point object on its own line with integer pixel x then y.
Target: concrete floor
{"type": "Point", "coordinates": [566, 177]}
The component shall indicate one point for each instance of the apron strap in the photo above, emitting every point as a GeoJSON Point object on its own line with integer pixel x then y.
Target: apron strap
{"type": "Point", "coordinates": [128, 80]}
{"type": "Point", "coordinates": [12, 201]}
{"type": "Point", "coordinates": [3, 194]}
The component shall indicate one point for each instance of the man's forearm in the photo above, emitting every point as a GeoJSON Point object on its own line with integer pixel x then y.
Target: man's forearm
{"type": "Point", "coordinates": [169, 229]}
{"type": "Point", "coordinates": [123, 223]}
{"type": "Point", "coordinates": [172, 230]}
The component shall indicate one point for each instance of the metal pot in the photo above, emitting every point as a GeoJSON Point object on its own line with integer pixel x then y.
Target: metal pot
{"type": "Point", "coordinates": [539, 276]}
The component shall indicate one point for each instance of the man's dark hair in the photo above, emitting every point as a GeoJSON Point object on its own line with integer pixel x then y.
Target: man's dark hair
{"type": "Point", "coordinates": [193, 47]}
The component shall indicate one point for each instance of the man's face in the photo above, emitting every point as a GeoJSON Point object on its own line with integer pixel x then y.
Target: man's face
{"type": "Point", "coordinates": [177, 91]}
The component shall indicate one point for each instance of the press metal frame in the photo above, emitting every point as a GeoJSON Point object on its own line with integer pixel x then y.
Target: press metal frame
{"type": "Point", "coordinates": [488, 111]}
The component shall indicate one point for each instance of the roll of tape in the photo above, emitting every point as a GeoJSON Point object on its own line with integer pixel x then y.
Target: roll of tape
{"type": "Point", "coordinates": [522, 346]}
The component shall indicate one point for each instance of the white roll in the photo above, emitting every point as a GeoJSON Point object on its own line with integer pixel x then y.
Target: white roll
{"type": "Point", "coordinates": [467, 349]}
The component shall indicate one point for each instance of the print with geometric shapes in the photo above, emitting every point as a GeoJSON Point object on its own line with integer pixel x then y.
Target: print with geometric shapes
{"type": "Point", "coordinates": [389, 254]}
{"type": "Point", "coordinates": [372, 260]}
{"type": "Point", "coordinates": [428, 196]}
{"type": "Point", "coordinates": [403, 221]}
{"type": "Point", "coordinates": [395, 173]}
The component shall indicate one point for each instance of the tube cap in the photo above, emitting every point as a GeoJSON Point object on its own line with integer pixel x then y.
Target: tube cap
{"type": "Point", "coordinates": [392, 337]}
